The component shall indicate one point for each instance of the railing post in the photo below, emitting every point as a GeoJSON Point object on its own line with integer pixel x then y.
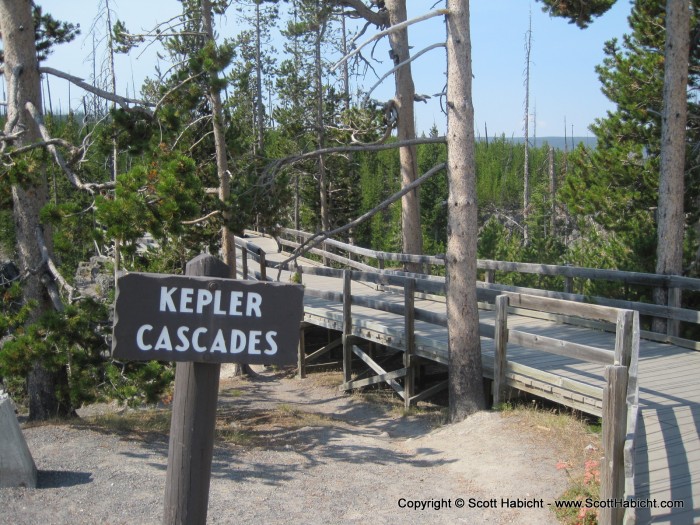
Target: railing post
{"type": "Point", "coordinates": [301, 357]}
{"type": "Point", "coordinates": [623, 337]}
{"type": "Point", "coordinates": [410, 339]}
{"type": "Point", "coordinates": [568, 284]}
{"type": "Point", "coordinates": [500, 344]}
{"type": "Point", "coordinates": [612, 485]}
{"type": "Point", "coordinates": [674, 301]}
{"type": "Point", "coordinates": [263, 266]}
{"type": "Point", "coordinates": [490, 276]}
{"type": "Point", "coordinates": [347, 327]}
{"type": "Point", "coordinates": [244, 261]}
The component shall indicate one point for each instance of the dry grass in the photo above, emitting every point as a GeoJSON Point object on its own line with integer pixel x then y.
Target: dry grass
{"type": "Point", "coordinates": [575, 439]}
{"type": "Point", "coordinates": [577, 443]}
{"type": "Point", "coordinates": [134, 423]}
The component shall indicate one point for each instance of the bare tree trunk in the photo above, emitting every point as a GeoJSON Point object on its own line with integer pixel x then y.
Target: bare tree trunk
{"type": "Point", "coordinates": [406, 130]}
{"type": "Point", "coordinates": [115, 151]}
{"type": "Point", "coordinates": [671, 219]}
{"type": "Point", "coordinates": [526, 125]}
{"type": "Point", "coordinates": [23, 85]}
{"type": "Point", "coordinates": [346, 72]}
{"type": "Point", "coordinates": [320, 132]}
{"type": "Point", "coordinates": [259, 106]}
{"type": "Point", "coordinates": [466, 376]}
{"type": "Point", "coordinates": [228, 247]}
{"type": "Point", "coordinates": [552, 193]}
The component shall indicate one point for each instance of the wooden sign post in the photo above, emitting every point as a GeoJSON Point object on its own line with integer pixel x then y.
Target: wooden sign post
{"type": "Point", "coordinates": [201, 320]}
{"type": "Point", "coordinates": [192, 426]}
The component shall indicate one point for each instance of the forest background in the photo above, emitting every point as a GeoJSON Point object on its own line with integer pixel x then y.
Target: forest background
{"type": "Point", "coordinates": [152, 166]}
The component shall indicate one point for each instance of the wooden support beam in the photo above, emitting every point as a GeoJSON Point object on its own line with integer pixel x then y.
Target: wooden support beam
{"type": "Point", "coordinates": [501, 344]}
{"type": "Point", "coordinates": [324, 350]}
{"type": "Point", "coordinates": [382, 378]}
{"type": "Point", "coordinates": [410, 341]}
{"type": "Point", "coordinates": [428, 392]}
{"type": "Point", "coordinates": [379, 370]}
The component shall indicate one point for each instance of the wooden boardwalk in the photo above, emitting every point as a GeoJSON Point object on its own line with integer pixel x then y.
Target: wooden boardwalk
{"type": "Point", "coordinates": [667, 465]}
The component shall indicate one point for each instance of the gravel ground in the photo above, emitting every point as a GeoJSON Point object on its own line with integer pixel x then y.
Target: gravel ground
{"type": "Point", "coordinates": [351, 462]}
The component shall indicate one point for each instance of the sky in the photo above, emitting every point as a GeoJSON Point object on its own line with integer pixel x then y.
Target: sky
{"type": "Point", "coordinates": [563, 84]}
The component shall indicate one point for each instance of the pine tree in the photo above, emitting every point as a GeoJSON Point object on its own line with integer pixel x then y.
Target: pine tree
{"type": "Point", "coordinates": [613, 190]}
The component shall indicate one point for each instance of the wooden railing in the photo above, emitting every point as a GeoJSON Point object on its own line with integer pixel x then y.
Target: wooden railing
{"type": "Point", "coordinates": [619, 395]}
{"type": "Point", "coordinates": [675, 285]}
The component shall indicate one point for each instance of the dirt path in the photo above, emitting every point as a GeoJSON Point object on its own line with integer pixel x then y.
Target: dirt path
{"type": "Point", "coordinates": [308, 454]}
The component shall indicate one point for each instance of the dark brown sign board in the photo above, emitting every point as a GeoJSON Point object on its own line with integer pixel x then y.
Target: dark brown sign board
{"type": "Point", "coordinates": [206, 319]}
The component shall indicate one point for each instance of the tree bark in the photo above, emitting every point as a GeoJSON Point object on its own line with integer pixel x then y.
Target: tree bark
{"type": "Point", "coordinates": [465, 372]}
{"type": "Point", "coordinates": [406, 130]}
{"type": "Point", "coordinates": [23, 85]}
{"type": "Point", "coordinates": [671, 218]}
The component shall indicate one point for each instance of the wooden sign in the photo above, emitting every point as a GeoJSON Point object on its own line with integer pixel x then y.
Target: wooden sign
{"type": "Point", "coordinates": [206, 319]}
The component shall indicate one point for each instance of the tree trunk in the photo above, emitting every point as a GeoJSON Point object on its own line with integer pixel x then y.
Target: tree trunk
{"type": "Point", "coordinates": [228, 246]}
{"type": "Point", "coordinates": [671, 219]}
{"type": "Point", "coordinates": [466, 377]}
{"type": "Point", "coordinates": [23, 85]}
{"type": "Point", "coordinates": [406, 130]}
{"type": "Point", "coordinates": [259, 106]}
{"type": "Point", "coordinates": [552, 193]}
{"type": "Point", "coordinates": [526, 129]}
{"type": "Point", "coordinates": [320, 132]}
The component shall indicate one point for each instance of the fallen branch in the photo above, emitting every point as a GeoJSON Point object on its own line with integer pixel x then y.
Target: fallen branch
{"type": "Point", "coordinates": [320, 237]}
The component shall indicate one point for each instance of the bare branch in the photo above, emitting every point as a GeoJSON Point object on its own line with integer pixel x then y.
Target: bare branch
{"type": "Point", "coordinates": [48, 261]}
{"type": "Point", "coordinates": [122, 101]}
{"type": "Point", "coordinates": [400, 65]}
{"type": "Point", "coordinates": [72, 177]}
{"type": "Point", "coordinates": [279, 163]}
{"type": "Point", "coordinates": [43, 144]}
{"type": "Point", "coordinates": [397, 27]}
{"type": "Point", "coordinates": [202, 219]}
{"type": "Point", "coordinates": [378, 18]}
{"type": "Point", "coordinates": [178, 86]}
{"type": "Point", "coordinates": [203, 117]}
{"type": "Point", "coordinates": [5, 139]}
{"type": "Point", "coordinates": [319, 237]}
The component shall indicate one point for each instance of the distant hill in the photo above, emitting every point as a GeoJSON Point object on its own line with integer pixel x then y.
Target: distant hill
{"type": "Point", "coordinates": [556, 142]}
